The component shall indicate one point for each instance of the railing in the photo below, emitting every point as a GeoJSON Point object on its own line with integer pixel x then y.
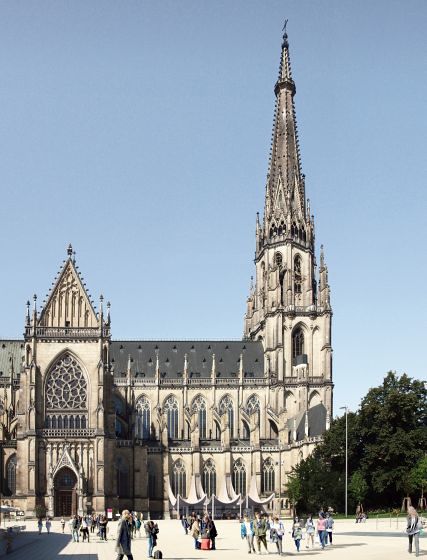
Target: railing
{"type": "Point", "coordinates": [52, 432]}
{"type": "Point", "coordinates": [171, 382]}
{"type": "Point", "coordinates": [227, 381]}
{"type": "Point", "coordinates": [124, 443]}
{"type": "Point", "coordinates": [195, 381]}
{"type": "Point", "coordinates": [67, 332]}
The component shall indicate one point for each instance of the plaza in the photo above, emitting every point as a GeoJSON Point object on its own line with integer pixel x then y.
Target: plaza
{"type": "Point", "coordinates": [375, 539]}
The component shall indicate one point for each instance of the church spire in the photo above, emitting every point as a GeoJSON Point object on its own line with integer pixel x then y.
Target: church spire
{"type": "Point", "coordinates": [285, 191]}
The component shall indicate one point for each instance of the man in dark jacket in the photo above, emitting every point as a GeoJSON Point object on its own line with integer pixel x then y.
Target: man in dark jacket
{"type": "Point", "coordinates": [123, 540]}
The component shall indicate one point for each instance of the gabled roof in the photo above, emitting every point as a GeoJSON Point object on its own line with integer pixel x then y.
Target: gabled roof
{"type": "Point", "coordinates": [68, 300]}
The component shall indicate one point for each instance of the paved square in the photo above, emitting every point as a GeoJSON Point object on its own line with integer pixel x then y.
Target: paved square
{"type": "Point", "coordinates": [372, 540]}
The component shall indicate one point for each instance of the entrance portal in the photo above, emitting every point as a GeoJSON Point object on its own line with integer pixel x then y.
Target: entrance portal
{"type": "Point", "coordinates": [65, 493]}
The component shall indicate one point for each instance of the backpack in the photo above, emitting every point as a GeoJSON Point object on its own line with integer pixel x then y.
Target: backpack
{"type": "Point", "coordinates": [158, 554]}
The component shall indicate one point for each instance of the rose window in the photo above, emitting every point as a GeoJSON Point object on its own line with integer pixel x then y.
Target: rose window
{"type": "Point", "coordinates": [66, 387]}
{"type": "Point", "coordinates": [66, 392]}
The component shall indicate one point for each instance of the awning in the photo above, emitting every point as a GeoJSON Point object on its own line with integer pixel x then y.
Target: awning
{"type": "Point", "coordinates": [253, 497]}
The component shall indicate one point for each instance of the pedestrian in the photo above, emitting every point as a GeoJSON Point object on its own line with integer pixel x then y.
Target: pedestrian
{"type": "Point", "coordinates": [309, 532]}
{"type": "Point", "coordinates": [48, 525]}
{"type": "Point", "coordinates": [103, 528]}
{"type": "Point", "coordinates": [297, 533]}
{"type": "Point", "coordinates": [212, 532]}
{"type": "Point", "coordinates": [84, 529]}
{"type": "Point", "coordinates": [40, 525]}
{"type": "Point", "coordinates": [138, 526]}
{"type": "Point", "coordinates": [123, 540]}
{"type": "Point", "coordinates": [321, 529]}
{"type": "Point", "coordinates": [62, 523]}
{"type": "Point", "coordinates": [413, 528]}
{"type": "Point", "coordinates": [277, 530]}
{"type": "Point", "coordinates": [260, 531]}
{"type": "Point", "coordinates": [247, 532]}
{"type": "Point", "coordinates": [329, 528]}
{"type": "Point", "coordinates": [184, 524]}
{"type": "Point", "coordinates": [75, 528]}
{"type": "Point", "coordinates": [195, 532]}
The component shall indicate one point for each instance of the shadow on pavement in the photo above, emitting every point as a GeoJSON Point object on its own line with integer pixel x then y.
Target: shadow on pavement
{"type": "Point", "coordinates": [29, 543]}
{"type": "Point", "coordinates": [373, 534]}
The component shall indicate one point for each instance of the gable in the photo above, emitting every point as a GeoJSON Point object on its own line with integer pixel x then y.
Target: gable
{"type": "Point", "coordinates": [68, 304]}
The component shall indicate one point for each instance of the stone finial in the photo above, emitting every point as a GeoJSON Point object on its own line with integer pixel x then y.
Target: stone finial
{"type": "Point", "coordinates": [70, 250]}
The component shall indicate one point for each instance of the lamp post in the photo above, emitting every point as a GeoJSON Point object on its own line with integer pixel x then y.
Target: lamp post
{"type": "Point", "coordinates": [346, 454]}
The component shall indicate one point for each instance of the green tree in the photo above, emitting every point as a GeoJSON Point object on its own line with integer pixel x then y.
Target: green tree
{"type": "Point", "coordinates": [358, 487]}
{"type": "Point", "coordinates": [419, 477]}
{"type": "Point", "coordinates": [294, 491]}
{"type": "Point", "coordinates": [392, 422]}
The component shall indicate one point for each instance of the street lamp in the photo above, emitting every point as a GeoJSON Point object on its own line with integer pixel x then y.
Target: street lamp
{"type": "Point", "coordinates": [346, 454]}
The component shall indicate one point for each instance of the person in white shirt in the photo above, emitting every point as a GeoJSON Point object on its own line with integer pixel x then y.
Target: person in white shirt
{"type": "Point", "coordinates": [277, 530]}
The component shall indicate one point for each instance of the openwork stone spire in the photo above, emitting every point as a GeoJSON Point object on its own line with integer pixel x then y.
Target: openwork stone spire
{"type": "Point", "coordinates": [285, 190]}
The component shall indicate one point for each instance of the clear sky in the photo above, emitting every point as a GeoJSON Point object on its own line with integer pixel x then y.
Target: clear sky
{"type": "Point", "coordinates": [139, 131]}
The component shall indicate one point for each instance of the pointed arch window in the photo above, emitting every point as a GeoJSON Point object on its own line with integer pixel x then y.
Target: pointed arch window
{"type": "Point", "coordinates": [11, 475]}
{"type": "Point", "coordinates": [297, 345]}
{"type": "Point", "coordinates": [226, 406]}
{"type": "Point", "coordinates": [171, 408]}
{"type": "Point", "coordinates": [143, 418]}
{"type": "Point", "coordinates": [252, 405]}
{"type": "Point", "coordinates": [239, 477]}
{"type": "Point", "coordinates": [297, 275]}
{"type": "Point", "coordinates": [267, 480]}
{"type": "Point", "coordinates": [179, 479]}
{"type": "Point", "coordinates": [209, 478]}
{"type": "Point", "coordinates": [199, 407]}
{"type": "Point", "coordinates": [246, 431]}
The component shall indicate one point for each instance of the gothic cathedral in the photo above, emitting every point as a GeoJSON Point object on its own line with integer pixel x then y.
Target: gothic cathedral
{"type": "Point", "coordinates": [90, 423]}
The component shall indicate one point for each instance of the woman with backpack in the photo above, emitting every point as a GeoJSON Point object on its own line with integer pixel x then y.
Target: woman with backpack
{"type": "Point", "coordinates": [297, 533]}
{"type": "Point", "coordinates": [277, 530]}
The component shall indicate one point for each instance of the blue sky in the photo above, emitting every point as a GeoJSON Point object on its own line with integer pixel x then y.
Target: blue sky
{"type": "Point", "coordinates": [139, 131]}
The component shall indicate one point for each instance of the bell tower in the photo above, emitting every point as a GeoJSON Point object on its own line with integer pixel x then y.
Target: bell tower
{"type": "Point", "coordinates": [288, 307]}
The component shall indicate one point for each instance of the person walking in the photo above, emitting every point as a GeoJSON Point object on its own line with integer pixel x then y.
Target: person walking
{"type": "Point", "coordinates": [184, 523]}
{"type": "Point", "coordinates": [84, 529]}
{"type": "Point", "coordinates": [309, 532]}
{"type": "Point", "coordinates": [40, 525]}
{"type": "Point", "coordinates": [297, 533]}
{"type": "Point", "coordinates": [277, 530]}
{"type": "Point", "coordinates": [413, 529]}
{"type": "Point", "coordinates": [138, 526]}
{"type": "Point", "coordinates": [62, 524]}
{"type": "Point", "coordinates": [260, 532]}
{"type": "Point", "coordinates": [75, 528]}
{"type": "Point", "coordinates": [329, 528]}
{"type": "Point", "coordinates": [48, 525]}
{"type": "Point", "coordinates": [321, 529]}
{"type": "Point", "coordinates": [123, 540]}
{"type": "Point", "coordinates": [247, 532]}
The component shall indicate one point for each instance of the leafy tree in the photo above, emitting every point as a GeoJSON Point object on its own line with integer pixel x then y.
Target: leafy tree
{"type": "Point", "coordinates": [419, 476]}
{"type": "Point", "coordinates": [358, 487]}
{"type": "Point", "coordinates": [294, 490]}
{"type": "Point", "coordinates": [384, 440]}
{"type": "Point", "coordinates": [393, 429]}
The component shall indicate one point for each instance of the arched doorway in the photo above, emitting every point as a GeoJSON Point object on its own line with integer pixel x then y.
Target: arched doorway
{"type": "Point", "coordinates": [65, 485]}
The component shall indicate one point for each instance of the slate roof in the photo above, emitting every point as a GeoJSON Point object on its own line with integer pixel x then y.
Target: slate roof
{"type": "Point", "coordinates": [316, 422]}
{"type": "Point", "coordinates": [11, 355]}
{"type": "Point", "coordinates": [171, 354]}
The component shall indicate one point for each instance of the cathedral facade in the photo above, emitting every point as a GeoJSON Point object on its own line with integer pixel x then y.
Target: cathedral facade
{"type": "Point", "coordinates": [90, 423]}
